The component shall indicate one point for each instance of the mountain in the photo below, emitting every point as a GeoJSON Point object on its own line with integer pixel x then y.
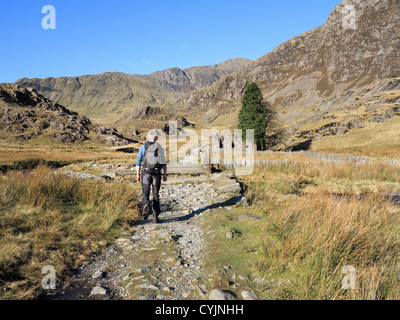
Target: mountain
{"type": "Point", "coordinates": [319, 79]}
{"type": "Point", "coordinates": [26, 115]}
{"type": "Point", "coordinates": [106, 96]}
{"type": "Point", "coordinates": [190, 79]}
{"type": "Point", "coordinates": [136, 123]}
{"type": "Point", "coordinates": [110, 95]}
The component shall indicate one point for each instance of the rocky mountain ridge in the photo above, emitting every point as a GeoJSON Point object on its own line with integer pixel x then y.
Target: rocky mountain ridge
{"type": "Point", "coordinates": [26, 115]}
{"type": "Point", "coordinates": [190, 79]}
{"type": "Point", "coordinates": [110, 95]}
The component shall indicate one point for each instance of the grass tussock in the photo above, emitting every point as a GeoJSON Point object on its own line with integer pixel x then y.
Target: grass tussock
{"type": "Point", "coordinates": [47, 218]}
{"type": "Point", "coordinates": [316, 234]}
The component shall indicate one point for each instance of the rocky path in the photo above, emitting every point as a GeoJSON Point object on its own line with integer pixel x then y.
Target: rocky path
{"type": "Point", "coordinates": [157, 261]}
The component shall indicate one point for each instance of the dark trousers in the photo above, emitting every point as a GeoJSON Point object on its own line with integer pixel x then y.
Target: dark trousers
{"type": "Point", "coordinates": [151, 181]}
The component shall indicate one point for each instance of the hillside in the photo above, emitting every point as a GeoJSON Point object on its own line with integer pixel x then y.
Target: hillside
{"type": "Point", "coordinates": [321, 79]}
{"type": "Point", "coordinates": [190, 79]}
{"type": "Point", "coordinates": [26, 116]}
{"type": "Point", "coordinates": [137, 122]}
{"type": "Point", "coordinates": [108, 96]}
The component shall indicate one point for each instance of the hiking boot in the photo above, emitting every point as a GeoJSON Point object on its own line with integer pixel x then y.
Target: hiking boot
{"type": "Point", "coordinates": [156, 219]}
{"type": "Point", "coordinates": [145, 211]}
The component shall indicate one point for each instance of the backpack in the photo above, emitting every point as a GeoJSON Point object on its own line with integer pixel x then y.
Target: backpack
{"type": "Point", "coordinates": [151, 159]}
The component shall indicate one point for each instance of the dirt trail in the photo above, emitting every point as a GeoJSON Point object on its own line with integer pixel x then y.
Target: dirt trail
{"type": "Point", "coordinates": [157, 261]}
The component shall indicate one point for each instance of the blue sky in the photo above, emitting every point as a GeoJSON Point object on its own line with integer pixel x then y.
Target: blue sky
{"type": "Point", "coordinates": [94, 36]}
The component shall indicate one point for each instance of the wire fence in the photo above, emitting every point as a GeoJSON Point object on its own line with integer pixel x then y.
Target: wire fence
{"type": "Point", "coordinates": [316, 158]}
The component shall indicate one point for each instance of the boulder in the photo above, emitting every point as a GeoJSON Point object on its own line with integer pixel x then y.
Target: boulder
{"type": "Point", "coordinates": [247, 295]}
{"type": "Point", "coordinates": [99, 291]}
{"type": "Point", "coordinates": [217, 294]}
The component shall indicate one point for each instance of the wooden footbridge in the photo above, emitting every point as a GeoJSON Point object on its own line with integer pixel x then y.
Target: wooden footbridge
{"type": "Point", "coordinates": [174, 169]}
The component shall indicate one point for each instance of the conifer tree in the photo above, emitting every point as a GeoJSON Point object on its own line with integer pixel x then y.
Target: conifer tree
{"type": "Point", "coordinates": [253, 114]}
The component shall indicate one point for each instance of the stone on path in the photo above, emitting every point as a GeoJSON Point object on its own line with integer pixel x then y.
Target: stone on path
{"type": "Point", "coordinates": [144, 269]}
{"type": "Point", "coordinates": [148, 286]}
{"type": "Point", "coordinates": [217, 294]}
{"type": "Point", "coordinates": [99, 274]}
{"type": "Point", "coordinates": [127, 276]}
{"type": "Point", "coordinates": [101, 291]}
{"type": "Point", "coordinates": [229, 235]}
{"type": "Point", "coordinates": [201, 289]}
{"type": "Point", "coordinates": [247, 295]}
{"type": "Point", "coordinates": [185, 295]}
{"type": "Point", "coordinates": [151, 296]}
{"type": "Point", "coordinates": [243, 202]}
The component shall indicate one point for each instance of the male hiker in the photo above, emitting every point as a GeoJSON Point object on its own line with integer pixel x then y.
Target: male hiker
{"type": "Point", "coordinates": [149, 174]}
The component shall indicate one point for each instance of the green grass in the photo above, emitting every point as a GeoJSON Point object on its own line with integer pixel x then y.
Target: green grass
{"type": "Point", "coordinates": [242, 254]}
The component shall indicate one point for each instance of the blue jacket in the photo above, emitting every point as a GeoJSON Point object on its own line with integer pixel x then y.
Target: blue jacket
{"type": "Point", "coordinates": [143, 149]}
{"type": "Point", "coordinates": [141, 154]}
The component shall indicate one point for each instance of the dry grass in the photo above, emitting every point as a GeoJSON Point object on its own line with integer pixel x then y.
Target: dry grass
{"type": "Point", "coordinates": [368, 171]}
{"type": "Point", "coordinates": [12, 153]}
{"type": "Point", "coordinates": [315, 234]}
{"type": "Point", "coordinates": [379, 140]}
{"type": "Point", "coordinates": [343, 178]}
{"type": "Point", "coordinates": [384, 152]}
{"type": "Point", "coordinates": [294, 156]}
{"type": "Point", "coordinates": [50, 219]}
